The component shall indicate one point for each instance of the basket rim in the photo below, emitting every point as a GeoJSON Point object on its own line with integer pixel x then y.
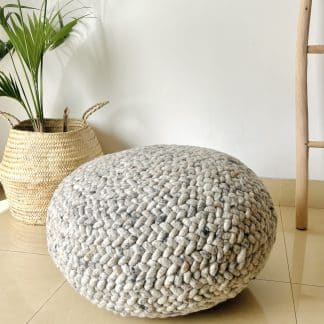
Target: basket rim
{"type": "Point", "coordinates": [83, 125]}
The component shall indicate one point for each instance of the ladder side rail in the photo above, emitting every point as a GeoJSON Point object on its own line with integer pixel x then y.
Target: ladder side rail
{"type": "Point", "coordinates": [302, 132]}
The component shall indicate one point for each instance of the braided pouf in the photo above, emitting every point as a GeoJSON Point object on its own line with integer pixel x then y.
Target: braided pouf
{"type": "Point", "coordinates": [162, 230]}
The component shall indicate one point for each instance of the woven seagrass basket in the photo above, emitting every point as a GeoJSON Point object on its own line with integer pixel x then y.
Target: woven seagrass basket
{"type": "Point", "coordinates": [35, 163]}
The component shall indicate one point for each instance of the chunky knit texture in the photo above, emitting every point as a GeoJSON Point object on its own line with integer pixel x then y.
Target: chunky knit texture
{"type": "Point", "coordinates": [162, 230]}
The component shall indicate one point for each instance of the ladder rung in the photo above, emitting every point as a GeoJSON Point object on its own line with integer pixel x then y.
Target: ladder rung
{"type": "Point", "coordinates": [315, 49]}
{"type": "Point", "coordinates": [317, 144]}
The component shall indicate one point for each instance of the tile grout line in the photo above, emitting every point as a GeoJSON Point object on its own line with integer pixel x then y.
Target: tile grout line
{"type": "Point", "coordinates": [307, 285]}
{"type": "Point", "coordinates": [23, 252]}
{"type": "Point", "coordinates": [46, 301]}
{"type": "Point", "coordinates": [286, 252]}
{"type": "Point", "coordinates": [271, 280]}
{"type": "Point", "coordinates": [287, 282]}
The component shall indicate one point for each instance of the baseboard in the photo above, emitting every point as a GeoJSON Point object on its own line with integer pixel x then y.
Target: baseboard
{"type": "Point", "coordinates": [283, 192]}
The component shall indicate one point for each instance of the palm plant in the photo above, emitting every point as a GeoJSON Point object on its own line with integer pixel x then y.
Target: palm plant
{"type": "Point", "coordinates": [31, 33]}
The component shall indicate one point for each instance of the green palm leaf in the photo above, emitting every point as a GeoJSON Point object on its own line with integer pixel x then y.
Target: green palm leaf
{"type": "Point", "coordinates": [59, 36]}
{"type": "Point", "coordinates": [5, 48]}
{"type": "Point", "coordinates": [31, 35]}
{"type": "Point", "coordinates": [4, 16]}
{"type": "Point", "coordinates": [9, 87]}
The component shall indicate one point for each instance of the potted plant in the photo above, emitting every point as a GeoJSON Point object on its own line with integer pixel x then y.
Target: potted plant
{"type": "Point", "coordinates": [40, 152]}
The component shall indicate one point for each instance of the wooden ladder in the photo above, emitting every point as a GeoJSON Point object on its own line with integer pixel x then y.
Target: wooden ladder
{"type": "Point", "coordinates": [302, 134]}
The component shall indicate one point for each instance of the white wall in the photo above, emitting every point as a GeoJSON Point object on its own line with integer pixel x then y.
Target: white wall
{"type": "Point", "coordinates": [215, 73]}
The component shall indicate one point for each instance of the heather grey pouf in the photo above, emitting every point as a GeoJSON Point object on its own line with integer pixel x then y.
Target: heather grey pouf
{"type": "Point", "coordinates": [162, 230]}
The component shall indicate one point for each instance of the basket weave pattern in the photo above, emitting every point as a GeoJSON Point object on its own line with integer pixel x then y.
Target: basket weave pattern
{"type": "Point", "coordinates": [35, 163]}
{"type": "Point", "coordinates": [161, 231]}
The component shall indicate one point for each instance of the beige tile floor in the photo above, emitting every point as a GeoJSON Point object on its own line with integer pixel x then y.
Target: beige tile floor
{"type": "Point", "coordinates": [290, 289]}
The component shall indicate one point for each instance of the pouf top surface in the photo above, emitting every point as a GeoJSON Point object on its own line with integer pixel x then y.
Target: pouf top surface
{"type": "Point", "coordinates": [162, 230]}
